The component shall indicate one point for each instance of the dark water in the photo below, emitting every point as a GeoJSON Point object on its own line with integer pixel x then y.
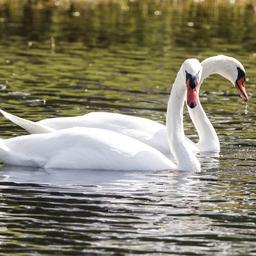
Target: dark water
{"type": "Point", "coordinates": [70, 60]}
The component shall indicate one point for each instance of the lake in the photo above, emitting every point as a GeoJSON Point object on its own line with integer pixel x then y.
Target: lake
{"type": "Point", "coordinates": [67, 58]}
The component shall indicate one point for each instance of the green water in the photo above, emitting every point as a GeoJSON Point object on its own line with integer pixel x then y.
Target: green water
{"type": "Point", "coordinates": [123, 58]}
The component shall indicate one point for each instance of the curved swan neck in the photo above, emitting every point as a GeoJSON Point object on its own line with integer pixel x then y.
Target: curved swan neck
{"type": "Point", "coordinates": [208, 138]}
{"type": "Point", "coordinates": [186, 160]}
{"type": "Point", "coordinates": [174, 115]}
{"type": "Point", "coordinates": [216, 65]}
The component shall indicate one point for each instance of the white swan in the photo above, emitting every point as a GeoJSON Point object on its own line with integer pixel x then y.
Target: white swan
{"type": "Point", "coordinates": [232, 70]}
{"type": "Point", "coordinates": [93, 148]}
{"type": "Point", "coordinates": [146, 130]}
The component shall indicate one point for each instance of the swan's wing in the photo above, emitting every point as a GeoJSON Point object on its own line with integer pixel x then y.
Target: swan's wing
{"type": "Point", "coordinates": [105, 120]}
{"type": "Point", "coordinates": [142, 129]}
{"type": "Point", "coordinates": [59, 123]}
{"type": "Point", "coordinates": [145, 130]}
{"type": "Point", "coordinates": [82, 148]}
{"type": "Point", "coordinates": [29, 126]}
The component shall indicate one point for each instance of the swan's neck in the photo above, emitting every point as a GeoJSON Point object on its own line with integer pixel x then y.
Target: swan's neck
{"type": "Point", "coordinates": [186, 160]}
{"type": "Point", "coordinates": [208, 68]}
{"type": "Point", "coordinates": [208, 139]}
{"type": "Point", "coordinates": [174, 118]}
{"type": "Point", "coordinates": [215, 65]}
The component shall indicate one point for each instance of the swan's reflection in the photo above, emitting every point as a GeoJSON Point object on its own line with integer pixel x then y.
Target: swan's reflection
{"type": "Point", "coordinates": [66, 177]}
{"type": "Point", "coordinates": [168, 183]}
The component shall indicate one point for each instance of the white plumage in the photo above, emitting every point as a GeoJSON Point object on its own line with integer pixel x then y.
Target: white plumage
{"type": "Point", "coordinates": [93, 148]}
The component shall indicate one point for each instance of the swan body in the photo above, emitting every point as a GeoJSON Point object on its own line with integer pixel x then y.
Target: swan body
{"type": "Point", "coordinates": [146, 130]}
{"type": "Point", "coordinates": [82, 148]}
{"type": "Point", "coordinates": [93, 148]}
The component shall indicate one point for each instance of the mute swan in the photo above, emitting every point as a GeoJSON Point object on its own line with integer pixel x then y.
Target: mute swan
{"type": "Point", "coordinates": [146, 130]}
{"type": "Point", "coordinates": [93, 148]}
{"type": "Point", "coordinates": [232, 70]}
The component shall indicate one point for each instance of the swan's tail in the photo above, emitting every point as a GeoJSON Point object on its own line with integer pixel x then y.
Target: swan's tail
{"type": "Point", "coordinates": [29, 126]}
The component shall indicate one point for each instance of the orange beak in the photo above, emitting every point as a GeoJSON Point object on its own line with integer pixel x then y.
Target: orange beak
{"type": "Point", "coordinates": [192, 95]}
{"type": "Point", "coordinates": [240, 86]}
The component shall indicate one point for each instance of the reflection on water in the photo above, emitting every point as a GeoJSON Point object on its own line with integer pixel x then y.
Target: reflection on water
{"type": "Point", "coordinates": [66, 177]}
{"type": "Point", "coordinates": [128, 212]}
{"type": "Point", "coordinates": [121, 56]}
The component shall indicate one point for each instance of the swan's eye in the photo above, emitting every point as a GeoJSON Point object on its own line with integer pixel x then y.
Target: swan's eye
{"type": "Point", "coordinates": [191, 81]}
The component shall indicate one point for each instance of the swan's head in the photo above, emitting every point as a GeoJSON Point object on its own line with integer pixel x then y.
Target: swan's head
{"type": "Point", "coordinates": [230, 68]}
{"type": "Point", "coordinates": [192, 74]}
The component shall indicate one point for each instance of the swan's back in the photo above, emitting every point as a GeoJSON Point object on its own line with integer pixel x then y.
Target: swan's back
{"type": "Point", "coordinates": [82, 148]}
{"type": "Point", "coordinates": [103, 120]}
{"type": "Point", "coordinates": [145, 130]}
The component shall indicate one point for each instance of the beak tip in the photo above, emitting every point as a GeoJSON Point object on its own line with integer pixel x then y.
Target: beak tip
{"type": "Point", "coordinates": [243, 93]}
{"type": "Point", "coordinates": [192, 104]}
{"type": "Point", "coordinates": [244, 96]}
